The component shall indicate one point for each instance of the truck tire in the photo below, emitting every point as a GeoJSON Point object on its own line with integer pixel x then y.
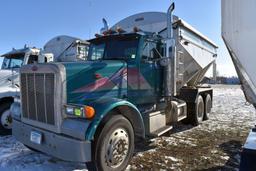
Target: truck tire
{"type": "Point", "coordinates": [198, 113]}
{"type": "Point", "coordinates": [113, 146]}
{"type": "Point", "coordinates": [6, 119]}
{"type": "Point", "coordinates": [207, 106]}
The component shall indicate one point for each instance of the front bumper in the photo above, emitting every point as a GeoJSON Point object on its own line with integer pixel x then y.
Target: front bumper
{"type": "Point", "coordinates": [59, 146]}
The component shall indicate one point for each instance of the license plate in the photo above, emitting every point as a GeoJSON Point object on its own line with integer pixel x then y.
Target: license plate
{"type": "Point", "coordinates": [36, 137]}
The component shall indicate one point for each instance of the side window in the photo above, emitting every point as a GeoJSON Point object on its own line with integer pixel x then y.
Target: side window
{"type": "Point", "coordinates": [150, 51]}
{"type": "Point", "coordinates": [5, 63]}
{"type": "Point", "coordinates": [16, 63]}
{"type": "Point", "coordinates": [161, 49]}
{"type": "Point", "coordinates": [97, 51]}
{"type": "Point", "coordinates": [82, 52]}
{"type": "Point", "coordinates": [32, 59]}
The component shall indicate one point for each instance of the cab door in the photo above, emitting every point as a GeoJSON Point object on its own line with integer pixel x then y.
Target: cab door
{"type": "Point", "coordinates": [144, 74]}
{"type": "Point", "coordinates": [150, 72]}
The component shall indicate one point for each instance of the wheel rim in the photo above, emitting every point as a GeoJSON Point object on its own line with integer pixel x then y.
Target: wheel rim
{"type": "Point", "coordinates": [117, 148]}
{"type": "Point", "coordinates": [6, 119]}
{"type": "Point", "coordinates": [200, 111]}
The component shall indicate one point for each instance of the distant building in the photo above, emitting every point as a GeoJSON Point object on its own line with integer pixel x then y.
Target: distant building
{"type": "Point", "coordinates": [221, 80]}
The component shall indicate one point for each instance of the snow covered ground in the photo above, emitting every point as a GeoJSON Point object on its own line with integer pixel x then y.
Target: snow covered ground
{"type": "Point", "coordinates": [214, 145]}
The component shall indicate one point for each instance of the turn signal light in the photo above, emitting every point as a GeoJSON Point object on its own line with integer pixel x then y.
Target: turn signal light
{"type": "Point", "coordinates": [89, 112]}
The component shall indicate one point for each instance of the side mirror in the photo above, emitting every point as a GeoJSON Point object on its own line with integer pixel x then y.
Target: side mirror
{"type": "Point", "coordinates": [106, 27]}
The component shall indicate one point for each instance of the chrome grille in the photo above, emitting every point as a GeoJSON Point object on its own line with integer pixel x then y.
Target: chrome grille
{"type": "Point", "coordinates": [37, 93]}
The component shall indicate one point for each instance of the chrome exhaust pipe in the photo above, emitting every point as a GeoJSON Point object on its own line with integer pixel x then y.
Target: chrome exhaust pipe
{"type": "Point", "coordinates": [170, 66]}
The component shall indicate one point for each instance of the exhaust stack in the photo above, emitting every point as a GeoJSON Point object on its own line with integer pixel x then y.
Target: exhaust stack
{"type": "Point", "coordinates": [106, 27]}
{"type": "Point", "coordinates": [170, 71]}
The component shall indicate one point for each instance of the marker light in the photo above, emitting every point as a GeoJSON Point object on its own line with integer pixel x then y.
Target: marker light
{"type": "Point", "coordinates": [136, 29]}
{"type": "Point", "coordinates": [108, 32]}
{"type": "Point", "coordinates": [78, 112]}
{"type": "Point", "coordinates": [89, 112]}
{"type": "Point", "coordinates": [120, 30]}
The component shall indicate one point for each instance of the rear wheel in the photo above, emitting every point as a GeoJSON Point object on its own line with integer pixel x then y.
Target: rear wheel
{"type": "Point", "coordinates": [198, 112]}
{"type": "Point", "coordinates": [207, 106]}
{"type": "Point", "coordinates": [6, 119]}
{"type": "Point", "coordinates": [114, 145]}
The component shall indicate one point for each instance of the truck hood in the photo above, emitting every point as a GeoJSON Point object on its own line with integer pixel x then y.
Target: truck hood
{"type": "Point", "coordinates": [89, 81]}
{"type": "Point", "coordinates": [8, 74]}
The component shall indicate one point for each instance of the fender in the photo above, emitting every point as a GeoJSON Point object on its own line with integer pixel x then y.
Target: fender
{"type": "Point", "coordinates": [8, 92]}
{"type": "Point", "coordinates": [104, 106]}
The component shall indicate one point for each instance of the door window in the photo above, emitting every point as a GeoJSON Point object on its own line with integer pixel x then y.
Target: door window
{"type": "Point", "coordinates": [150, 52]}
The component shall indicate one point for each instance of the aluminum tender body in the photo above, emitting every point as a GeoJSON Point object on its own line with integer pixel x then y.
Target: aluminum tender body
{"type": "Point", "coordinates": [195, 53]}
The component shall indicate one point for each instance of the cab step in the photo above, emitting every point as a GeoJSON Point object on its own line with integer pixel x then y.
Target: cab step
{"type": "Point", "coordinates": [178, 112]}
{"type": "Point", "coordinates": [161, 131]}
{"type": "Point", "coordinates": [180, 118]}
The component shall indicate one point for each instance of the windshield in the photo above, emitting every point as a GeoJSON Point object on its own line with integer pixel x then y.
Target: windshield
{"type": "Point", "coordinates": [13, 61]}
{"type": "Point", "coordinates": [118, 48]}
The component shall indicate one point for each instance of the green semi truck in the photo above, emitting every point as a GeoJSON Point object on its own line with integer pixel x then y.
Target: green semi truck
{"type": "Point", "coordinates": [142, 75]}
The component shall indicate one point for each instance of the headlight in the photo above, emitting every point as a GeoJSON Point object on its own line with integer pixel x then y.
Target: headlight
{"type": "Point", "coordinates": [69, 110]}
{"type": "Point", "coordinates": [87, 112]}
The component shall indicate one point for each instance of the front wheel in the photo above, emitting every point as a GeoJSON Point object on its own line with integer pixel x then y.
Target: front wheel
{"type": "Point", "coordinates": [114, 145]}
{"type": "Point", "coordinates": [6, 119]}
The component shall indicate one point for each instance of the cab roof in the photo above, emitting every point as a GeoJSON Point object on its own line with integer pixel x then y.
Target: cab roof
{"type": "Point", "coordinates": [21, 51]}
{"type": "Point", "coordinates": [117, 35]}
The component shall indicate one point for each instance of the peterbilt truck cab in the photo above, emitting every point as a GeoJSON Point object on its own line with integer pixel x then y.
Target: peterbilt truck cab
{"type": "Point", "coordinates": [136, 83]}
{"type": "Point", "coordinates": [9, 79]}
